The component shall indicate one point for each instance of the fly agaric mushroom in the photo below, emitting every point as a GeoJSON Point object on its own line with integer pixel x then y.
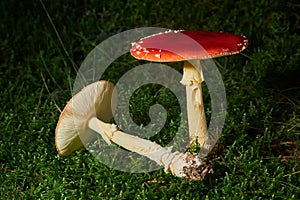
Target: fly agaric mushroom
{"type": "Point", "coordinates": [83, 116]}
{"type": "Point", "coordinates": [190, 47]}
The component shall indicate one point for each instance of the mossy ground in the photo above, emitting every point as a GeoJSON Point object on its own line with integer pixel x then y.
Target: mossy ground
{"type": "Point", "coordinates": [258, 153]}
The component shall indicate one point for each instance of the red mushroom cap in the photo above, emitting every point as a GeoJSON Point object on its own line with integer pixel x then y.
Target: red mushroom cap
{"type": "Point", "coordinates": [187, 45]}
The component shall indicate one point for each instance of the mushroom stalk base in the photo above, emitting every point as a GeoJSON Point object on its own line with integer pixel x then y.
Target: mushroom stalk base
{"type": "Point", "coordinates": [184, 165]}
{"type": "Point", "coordinates": [192, 79]}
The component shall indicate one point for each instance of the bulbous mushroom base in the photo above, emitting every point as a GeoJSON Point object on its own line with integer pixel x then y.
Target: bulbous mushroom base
{"type": "Point", "coordinates": [197, 168]}
{"type": "Point", "coordinates": [189, 166]}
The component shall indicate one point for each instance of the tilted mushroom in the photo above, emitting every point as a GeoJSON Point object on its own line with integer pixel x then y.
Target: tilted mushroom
{"type": "Point", "coordinates": [190, 47]}
{"type": "Point", "coordinates": [84, 115]}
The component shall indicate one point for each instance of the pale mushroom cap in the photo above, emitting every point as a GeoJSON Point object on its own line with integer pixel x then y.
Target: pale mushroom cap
{"type": "Point", "coordinates": [95, 100]}
{"type": "Point", "coordinates": [187, 45]}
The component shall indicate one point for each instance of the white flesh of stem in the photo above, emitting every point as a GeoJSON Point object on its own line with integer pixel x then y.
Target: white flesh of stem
{"type": "Point", "coordinates": [192, 79]}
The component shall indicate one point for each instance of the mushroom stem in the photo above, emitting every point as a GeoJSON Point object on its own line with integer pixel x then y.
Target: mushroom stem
{"type": "Point", "coordinates": [192, 79]}
{"type": "Point", "coordinates": [179, 164]}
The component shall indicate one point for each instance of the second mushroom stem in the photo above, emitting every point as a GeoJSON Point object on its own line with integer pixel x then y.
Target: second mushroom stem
{"type": "Point", "coordinates": [179, 164]}
{"type": "Point", "coordinates": [192, 79]}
